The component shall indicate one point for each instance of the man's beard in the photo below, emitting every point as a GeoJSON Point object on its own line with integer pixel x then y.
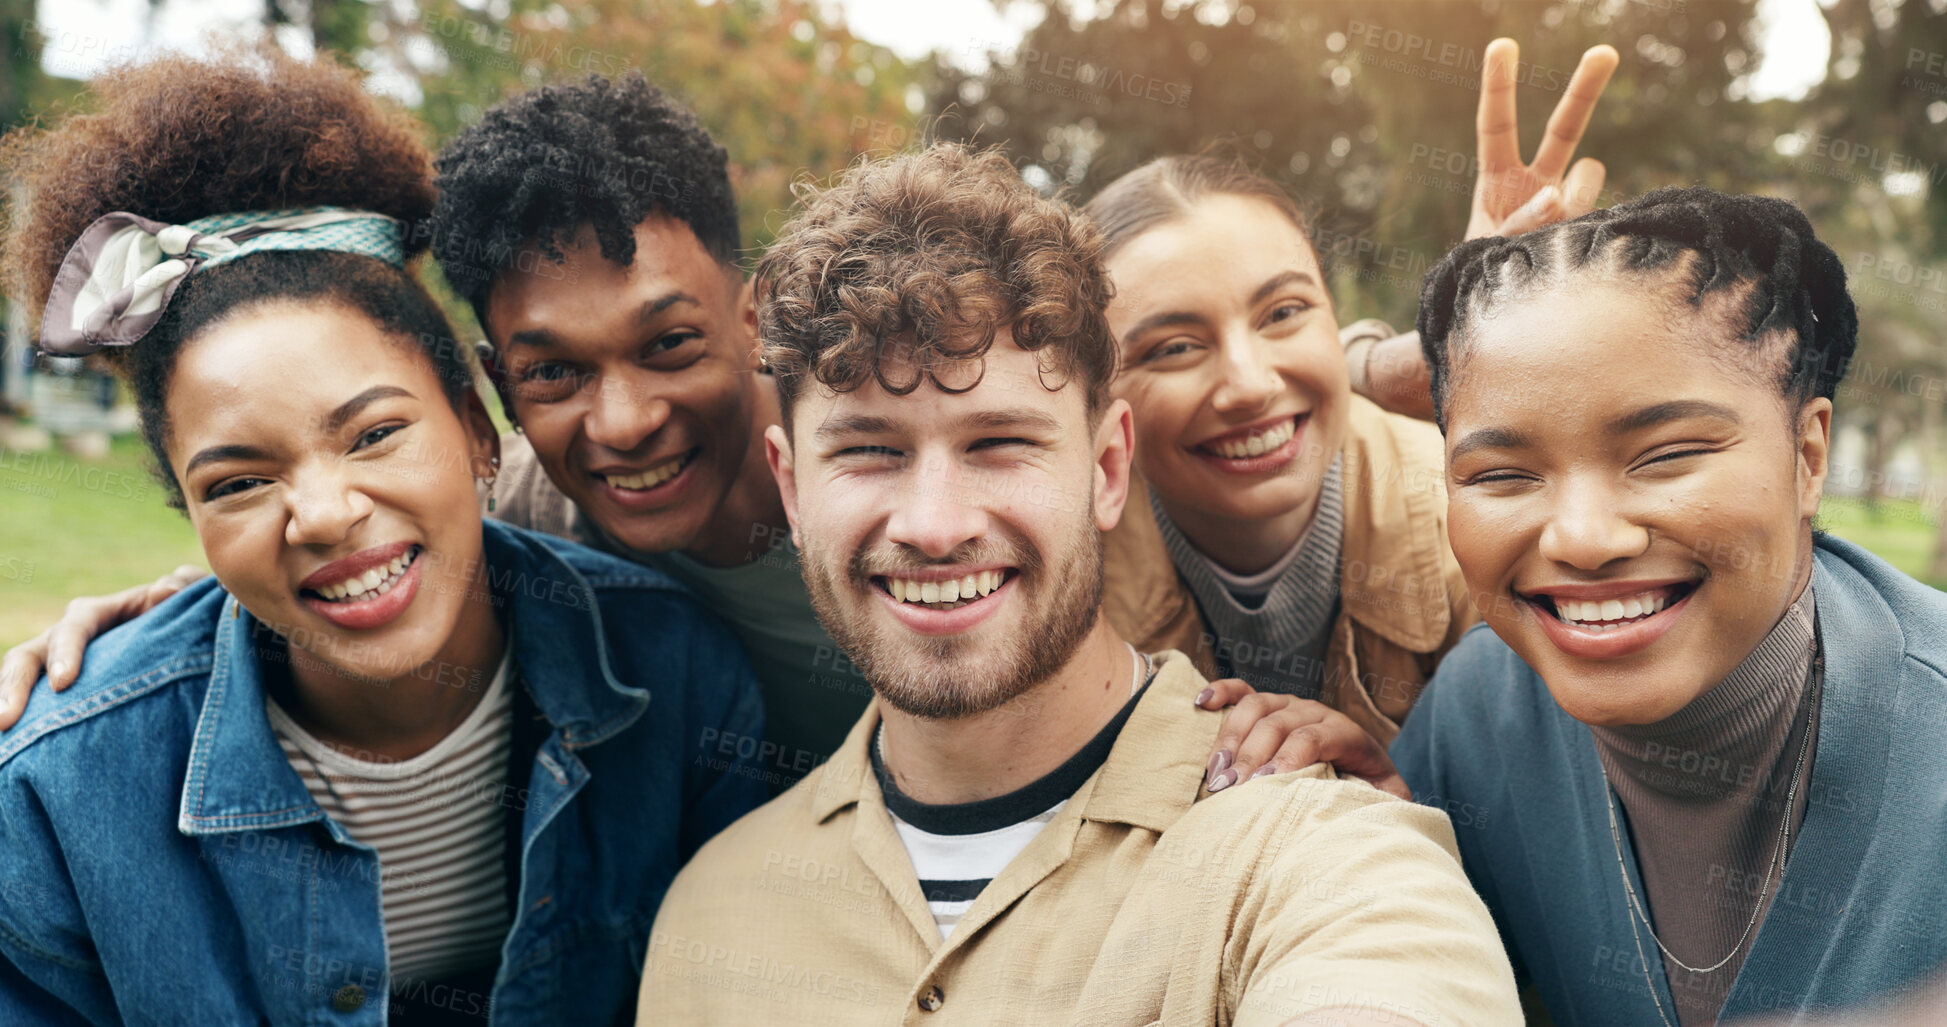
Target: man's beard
{"type": "Point", "coordinates": [948, 677]}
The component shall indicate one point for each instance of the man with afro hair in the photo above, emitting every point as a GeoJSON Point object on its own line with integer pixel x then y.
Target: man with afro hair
{"type": "Point", "coordinates": [592, 227]}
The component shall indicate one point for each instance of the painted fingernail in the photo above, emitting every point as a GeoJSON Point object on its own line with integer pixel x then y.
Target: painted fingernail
{"type": "Point", "coordinates": [1223, 780]}
{"type": "Point", "coordinates": [1268, 768]}
{"type": "Point", "coordinates": [1217, 764]}
{"type": "Point", "coordinates": [1204, 696]}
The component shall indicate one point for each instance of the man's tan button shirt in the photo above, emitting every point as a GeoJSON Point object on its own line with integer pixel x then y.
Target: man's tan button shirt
{"type": "Point", "coordinates": [1136, 905]}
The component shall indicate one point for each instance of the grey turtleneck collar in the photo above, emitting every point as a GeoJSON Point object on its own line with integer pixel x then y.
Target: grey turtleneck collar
{"type": "Point", "coordinates": [1271, 634]}
{"type": "Point", "coordinates": [1704, 791]}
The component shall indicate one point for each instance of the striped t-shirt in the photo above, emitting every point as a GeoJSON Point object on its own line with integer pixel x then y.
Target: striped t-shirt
{"type": "Point", "coordinates": [956, 848]}
{"type": "Point", "coordinates": [436, 822]}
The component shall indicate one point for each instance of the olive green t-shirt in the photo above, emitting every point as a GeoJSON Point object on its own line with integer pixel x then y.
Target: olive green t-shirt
{"type": "Point", "coordinates": [812, 693]}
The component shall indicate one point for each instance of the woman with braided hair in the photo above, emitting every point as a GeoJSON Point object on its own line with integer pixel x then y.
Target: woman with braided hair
{"type": "Point", "coordinates": [1702, 740]}
{"type": "Point", "coordinates": [389, 764]}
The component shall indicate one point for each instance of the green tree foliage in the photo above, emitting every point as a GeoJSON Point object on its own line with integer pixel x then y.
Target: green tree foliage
{"type": "Point", "coordinates": [1365, 110]}
{"type": "Point", "coordinates": [780, 85]}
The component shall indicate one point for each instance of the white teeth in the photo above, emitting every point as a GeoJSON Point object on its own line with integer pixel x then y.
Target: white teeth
{"type": "Point", "coordinates": [648, 479]}
{"type": "Point", "coordinates": [1587, 613]}
{"type": "Point", "coordinates": [953, 590]}
{"type": "Point", "coordinates": [1257, 443]}
{"type": "Point", "coordinates": [371, 584]}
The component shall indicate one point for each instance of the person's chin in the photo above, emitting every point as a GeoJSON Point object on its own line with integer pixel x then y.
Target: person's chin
{"type": "Point", "coordinates": [653, 531]}
{"type": "Point", "coordinates": [1613, 703]}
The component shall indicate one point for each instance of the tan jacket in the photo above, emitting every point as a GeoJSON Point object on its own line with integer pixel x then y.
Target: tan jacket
{"type": "Point", "coordinates": [1402, 601]}
{"type": "Point", "coordinates": [1135, 905]}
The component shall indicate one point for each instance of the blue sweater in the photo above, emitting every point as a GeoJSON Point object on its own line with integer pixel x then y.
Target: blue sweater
{"type": "Point", "coordinates": [1861, 911]}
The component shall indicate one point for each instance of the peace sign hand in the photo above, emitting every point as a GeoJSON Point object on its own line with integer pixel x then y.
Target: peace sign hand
{"type": "Point", "coordinates": [1511, 197]}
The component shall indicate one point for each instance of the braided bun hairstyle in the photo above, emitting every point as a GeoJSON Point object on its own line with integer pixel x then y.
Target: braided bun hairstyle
{"type": "Point", "coordinates": [1718, 243]}
{"type": "Point", "coordinates": [180, 138]}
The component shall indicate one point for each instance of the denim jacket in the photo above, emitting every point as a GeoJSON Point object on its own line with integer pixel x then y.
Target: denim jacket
{"type": "Point", "coordinates": [162, 863]}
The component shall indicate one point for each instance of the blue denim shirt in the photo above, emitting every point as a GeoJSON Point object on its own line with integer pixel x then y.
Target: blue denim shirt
{"type": "Point", "coordinates": [161, 862]}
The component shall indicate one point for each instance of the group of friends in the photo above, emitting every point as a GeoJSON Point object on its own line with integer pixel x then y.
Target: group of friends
{"type": "Point", "coordinates": [988, 611]}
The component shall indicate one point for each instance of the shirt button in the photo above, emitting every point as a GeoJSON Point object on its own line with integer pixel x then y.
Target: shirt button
{"type": "Point", "coordinates": [348, 999]}
{"type": "Point", "coordinates": [933, 999]}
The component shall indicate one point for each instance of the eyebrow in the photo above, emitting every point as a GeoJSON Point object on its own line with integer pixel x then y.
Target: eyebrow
{"type": "Point", "coordinates": [1173, 319]}
{"type": "Point", "coordinates": [1489, 438]}
{"type": "Point", "coordinates": [1675, 410]}
{"type": "Point", "coordinates": [1178, 318]}
{"type": "Point", "coordinates": [350, 408]}
{"type": "Point", "coordinates": [1014, 418]}
{"type": "Point", "coordinates": [541, 338]}
{"type": "Point", "coordinates": [218, 454]}
{"type": "Point", "coordinates": [1279, 281]}
{"type": "Point", "coordinates": [856, 424]}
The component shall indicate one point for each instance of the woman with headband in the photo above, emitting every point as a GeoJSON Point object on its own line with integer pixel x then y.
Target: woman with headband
{"type": "Point", "coordinates": [388, 759]}
{"type": "Point", "coordinates": [1704, 738]}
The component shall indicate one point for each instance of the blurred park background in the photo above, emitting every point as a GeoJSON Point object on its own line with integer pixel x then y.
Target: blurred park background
{"type": "Point", "coordinates": [1363, 107]}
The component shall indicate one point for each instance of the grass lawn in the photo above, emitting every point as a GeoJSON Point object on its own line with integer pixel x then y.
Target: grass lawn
{"type": "Point", "coordinates": [70, 528]}
{"type": "Point", "coordinates": [1900, 531]}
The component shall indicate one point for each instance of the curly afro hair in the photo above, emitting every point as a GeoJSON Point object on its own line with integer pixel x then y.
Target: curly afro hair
{"type": "Point", "coordinates": [602, 153]}
{"type": "Point", "coordinates": [1792, 309]}
{"type": "Point", "coordinates": [918, 260]}
{"type": "Point", "coordinates": [180, 138]}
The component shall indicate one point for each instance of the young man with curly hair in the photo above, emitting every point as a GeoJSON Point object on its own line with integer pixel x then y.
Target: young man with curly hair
{"type": "Point", "coordinates": [1011, 833]}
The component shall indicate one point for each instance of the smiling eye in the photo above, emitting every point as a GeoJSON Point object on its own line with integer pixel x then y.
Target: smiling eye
{"type": "Point", "coordinates": [995, 443]}
{"type": "Point", "coordinates": [869, 451]}
{"type": "Point", "coordinates": [1286, 311]}
{"type": "Point", "coordinates": [1170, 349]}
{"type": "Point", "coordinates": [548, 381]}
{"type": "Point", "coordinates": [376, 436]}
{"type": "Point", "coordinates": [1495, 478]}
{"type": "Point", "coordinates": [1678, 455]}
{"type": "Point", "coordinates": [230, 487]}
{"type": "Point", "coordinates": [673, 341]}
